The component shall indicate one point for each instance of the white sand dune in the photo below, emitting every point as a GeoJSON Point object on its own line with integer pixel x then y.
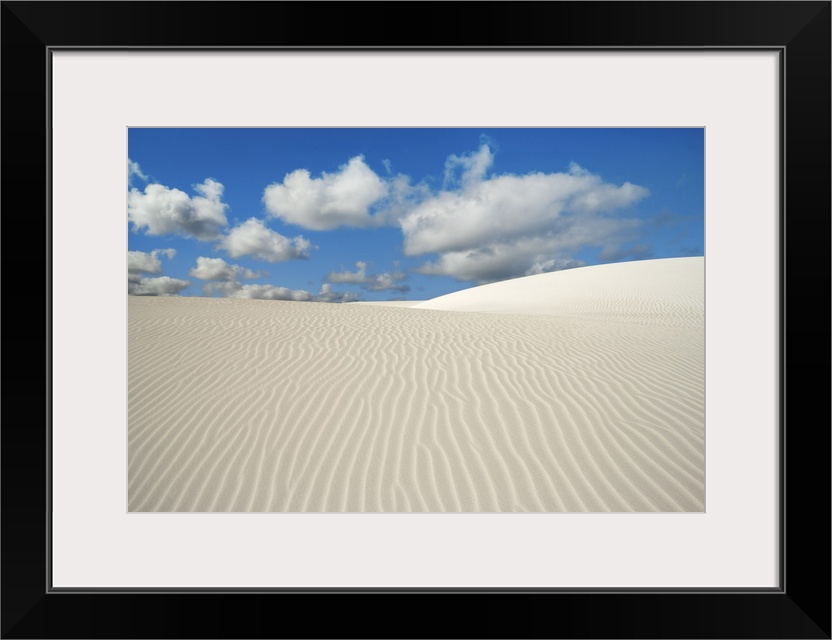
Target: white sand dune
{"type": "Point", "coordinates": [669, 292]}
{"type": "Point", "coordinates": [579, 390]}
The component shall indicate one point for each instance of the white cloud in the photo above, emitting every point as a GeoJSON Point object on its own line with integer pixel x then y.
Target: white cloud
{"type": "Point", "coordinates": [234, 289]}
{"type": "Point", "coordinates": [473, 167]}
{"type": "Point", "coordinates": [133, 169]}
{"type": "Point", "coordinates": [350, 277]}
{"type": "Point", "coordinates": [507, 207]}
{"type": "Point", "coordinates": [336, 199]}
{"type": "Point", "coordinates": [387, 282]}
{"type": "Point", "coordinates": [219, 269]}
{"type": "Point", "coordinates": [253, 238]}
{"type": "Point", "coordinates": [402, 197]}
{"type": "Point", "coordinates": [326, 294]}
{"type": "Point", "coordinates": [479, 227]}
{"type": "Point", "coordinates": [485, 227]}
{"type": "Point", "coordinates": [141, 262]}
{"type": "Point", "coordinates": [162, 286]}
{"type": "Point", "coordinates": [373, 282]}
{"type": "Point", "coordinates": [171, 211]}
{"type": "Point", "coordinates": [270, 292]}
{"type": "Point", "coordinates": [526, 256]}
{"type": "Point", "coordinates": [486, 264]}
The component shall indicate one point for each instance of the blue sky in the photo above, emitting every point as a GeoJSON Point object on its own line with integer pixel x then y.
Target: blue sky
{"type": "Point", "coordinates": [380, 214]}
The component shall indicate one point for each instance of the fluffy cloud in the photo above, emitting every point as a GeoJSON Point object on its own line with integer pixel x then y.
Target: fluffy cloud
{"type": "Point", "coordinates": [336, 199]}
{"type": "Point", "coordinates": [253, 238]}
{"type": "Point", "coordinates": [219, 269]}
{"type": "Point", "coordinates": [270, 292]}
{"type": "Point", "coordinates": [387, 282]}
{"type": "Point", "coordinates": [483, 210]}
{"type": "Point", "coordinates": [473, 167]}
{"type": "Point", "coordinates": [162, 286]}
{"type": "Point", "coordinates": [326, 294]}
{"type": "Point", "coordinates": [373, 282]}
{"type": "Point", "coordinates": [526, 256]}
{"type": "Point", "coordinates": [350, 277]}
{"type": "Point", "coordinates": [486, 228]}
{"type": "Point", "coordinates": [482, 227]}
{"type": "Point", "coordinates": [141, 262]}
{"type": "Point", "coordinates": [171, 211]}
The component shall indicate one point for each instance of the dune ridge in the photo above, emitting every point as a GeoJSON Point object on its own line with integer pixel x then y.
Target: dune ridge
{"type": "Point", "coordinates": [668, 291]}
{"type": "Point", "coordinates": [253, 405]}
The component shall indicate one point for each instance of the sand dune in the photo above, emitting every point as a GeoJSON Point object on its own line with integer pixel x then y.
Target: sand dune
{"type": "Point", "coordinates": [579, 390]}
{"type": "Point", "coordinates": [669, 292]}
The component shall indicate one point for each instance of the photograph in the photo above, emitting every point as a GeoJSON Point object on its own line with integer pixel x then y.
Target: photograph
{"type": "Point", "coordinates": [431, 320]}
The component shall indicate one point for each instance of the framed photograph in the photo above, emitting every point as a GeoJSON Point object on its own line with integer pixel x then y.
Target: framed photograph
{"type": "Point", "coordinates": [320, 214]}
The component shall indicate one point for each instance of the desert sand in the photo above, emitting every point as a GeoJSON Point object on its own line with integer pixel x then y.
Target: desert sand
{"type": "Point", "coordinates": [571, 391]}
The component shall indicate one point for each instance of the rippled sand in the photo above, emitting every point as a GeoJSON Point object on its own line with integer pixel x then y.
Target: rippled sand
{"type": "Point", "coordinates": [579, 390]}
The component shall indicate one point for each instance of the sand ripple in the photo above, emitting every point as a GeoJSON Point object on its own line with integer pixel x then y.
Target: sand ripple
{"type": "Point", "coordinates": [249, 405]}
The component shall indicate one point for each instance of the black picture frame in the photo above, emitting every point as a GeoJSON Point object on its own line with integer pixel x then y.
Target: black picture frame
{"type": "Point", "coordinates": [798, 608]}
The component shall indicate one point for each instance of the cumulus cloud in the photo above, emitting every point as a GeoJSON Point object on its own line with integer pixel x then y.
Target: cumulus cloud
{"type": "Point", "coordinates": [387, 282]}
{"type": "Point", "coordinates": [508, 206]}
{"type": "Point", "coordinates": [492, 227]}
{"type": "Point", "coordinates": [373, 282]}
{"type": "Point", "coordinates": [497, 261]}
{"type": "Point", "coordinates": [139, 263]}
{"type": "Point", "coordinates": [219, 269]}
{"type": "Point", "coordinates": [473, 167]}
{"type": "Point", "coordinates": [253, 238]}
{"type": "Point", "coordinates": [142, 262]}
{"type": "Point", "coordinates": [335, 199]}
{"type": "Point", "coordinates": [359, 276]}
{"type": "Point", "coordinates": [526, 256]}
{"type": "Point", "coordinates": [270, 292]}
{"type": "Point", "coordinates": [163, 211]}
{"type": "Point", "coordinates": [479, 226]}
{"type": "Point", "coordinates": [161, 286]}
{"type": "Point", "coordinates": [326, 294]}
{"type": "Point", "coordinates": [402, 197]}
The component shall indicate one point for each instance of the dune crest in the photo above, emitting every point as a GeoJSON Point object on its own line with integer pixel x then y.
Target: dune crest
{"type": "Point", "coordinates": [579, 390]}
{"type": "Point", "coordinates": [669, 291]}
